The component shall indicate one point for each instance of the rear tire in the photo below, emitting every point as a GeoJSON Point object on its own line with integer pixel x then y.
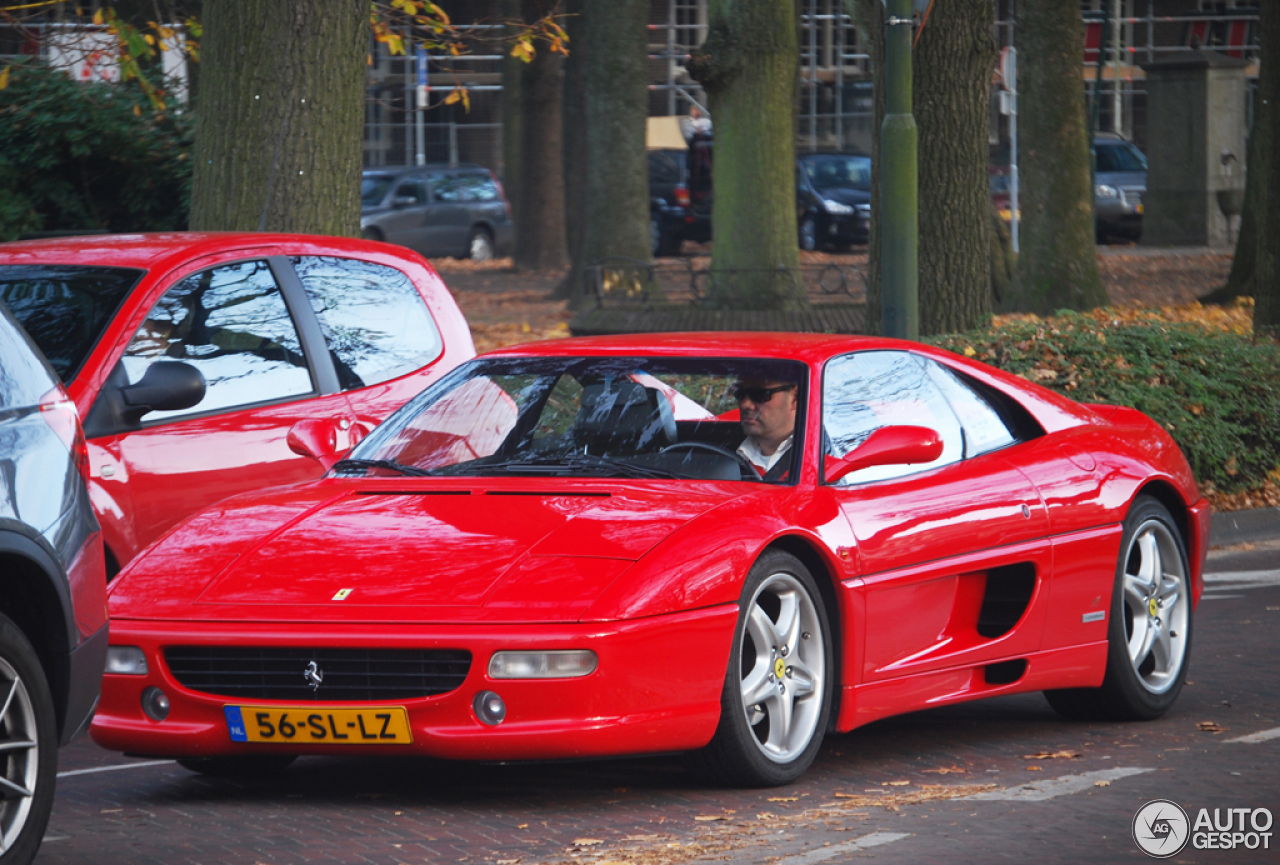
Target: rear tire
{"type": "Point", "coordinates": [371, 234]}
{"type": "Point", "coordinates": [1149, 627]}
{"type": "Point", "coordinates": [239, 766]}
{"type": "Point", "coordinates": [808, 234]}
{"type": "Point", "coordinates": [480, 246]}
{"type": "Point", "coordinates": [778, 689]}
{"type": "Point", "coordinates": [29, 769]}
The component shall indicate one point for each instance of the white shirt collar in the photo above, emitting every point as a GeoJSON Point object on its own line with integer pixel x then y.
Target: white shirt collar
{"type": "Point", "coordinates": [751, 451]}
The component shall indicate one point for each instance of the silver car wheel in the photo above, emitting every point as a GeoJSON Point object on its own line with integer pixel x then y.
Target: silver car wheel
{"type": "Point", "coordinates": [808, 234]}
{"type": "Point", "coordinates": [1157, 605]}
{"type": "Point", "coordinates": [481, 246]}
{"type": "Point", "coordinates": [783, 668]}
{"type": "Point", "coordinates": [19, 755]}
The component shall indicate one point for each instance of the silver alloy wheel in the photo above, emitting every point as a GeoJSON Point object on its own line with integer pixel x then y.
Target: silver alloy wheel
{"type": "Point", "coordinates": [808, 234]}
{"type": "Point", "coordinates": [19, 755]}
{"type": "Point", "coordinates": [481, 248]}
{"type": "Point", "coordinates": [783, 668]}
{"type": "Point", "coordinates": [1157, 605]}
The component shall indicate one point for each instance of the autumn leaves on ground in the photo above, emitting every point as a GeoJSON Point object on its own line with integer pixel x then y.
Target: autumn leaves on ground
{"type": "Point", "coordinates": [1148, 289]}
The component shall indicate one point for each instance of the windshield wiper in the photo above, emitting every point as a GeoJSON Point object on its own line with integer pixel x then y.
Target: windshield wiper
{"type": "Point", "coordinates": [390, 465]}
{"type": "Point", "coordinates": [567, 465]}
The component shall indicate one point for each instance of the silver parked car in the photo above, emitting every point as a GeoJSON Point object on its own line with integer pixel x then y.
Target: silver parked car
{"type": "Point", "coordinates": [437, 210]}
{"type": "Point", "coordinates": [1120, 180]}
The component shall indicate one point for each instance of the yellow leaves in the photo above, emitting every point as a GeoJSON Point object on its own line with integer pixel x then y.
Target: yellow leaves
{"type": "Point", "coordinates": [1102, 783]}
{"type": "Point", "coordinates": [1210, 727]}
{"type": "Point", "coordinates": [1232, 466]}
{"type": "Point", "coordinates": [1052, 755]}
{"type": "Point", "coordinates": [459, 94]}
{"type": "Point", "coordinates": [523, 48]}
{"type": "Point", "coordinates": [137, 111]}
{"type": "Point", "coordinates": [99, 16]}
{"type": "Point", "coordinates": [4, 77]}
{"type": "Point", "coordinates": [969, 351]}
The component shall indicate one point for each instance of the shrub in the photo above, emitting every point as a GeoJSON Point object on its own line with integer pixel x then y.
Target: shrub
{"type": "Point", "coordinates": [1216, 391]}
{"type": "Point", "coordinates": [83, 156]}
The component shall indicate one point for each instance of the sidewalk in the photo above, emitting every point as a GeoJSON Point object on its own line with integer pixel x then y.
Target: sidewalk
{"type": "Point", "coordinates": [1241, 527]}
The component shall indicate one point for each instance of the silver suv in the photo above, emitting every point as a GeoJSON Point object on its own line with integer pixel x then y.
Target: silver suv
{"type": "Point", "coordinates": [437, 210]}
{"type": "Point", "coordinates": [1120, 180]}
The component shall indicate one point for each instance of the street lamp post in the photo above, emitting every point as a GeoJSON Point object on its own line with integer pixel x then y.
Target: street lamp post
{"type": "Point", "coordinates": [899, 183]}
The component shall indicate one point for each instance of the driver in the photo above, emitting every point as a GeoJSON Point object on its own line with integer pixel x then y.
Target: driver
{"type": "Point", "coordinates": [767, 411]}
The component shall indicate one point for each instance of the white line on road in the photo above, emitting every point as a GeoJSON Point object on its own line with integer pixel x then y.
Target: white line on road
{"type": "Point", "coordinates": [115, 768]}
{"type": "Point", "coordinates": [1265, 578]}
{"type": "Point", "coordinates": [822, 854]}
{"type": "Point", "coordinates": [1042, 790]}
{"type": "Point", "coordinates": [1255, 738]}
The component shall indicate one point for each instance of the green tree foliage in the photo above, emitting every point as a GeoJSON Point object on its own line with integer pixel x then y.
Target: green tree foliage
{"type": "Point", "coordinates": [92, 156]}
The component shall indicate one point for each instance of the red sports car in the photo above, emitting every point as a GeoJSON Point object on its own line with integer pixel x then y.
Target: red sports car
{"type": "Point", "coordinates": [191, 357]}
{"type": "Point", "coordinates": [724, 543]}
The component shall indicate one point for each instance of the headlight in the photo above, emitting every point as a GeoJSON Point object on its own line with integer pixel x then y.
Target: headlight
{"type": "Point", "coordinates": [864, 210]}
{"type": "Point", "coordinates": [835, 208]}
{"type": "Point", "coordinates": [1105, 191]}
{"type": "Point", "coordinates": [126, 661]}
{"type": "Point", "coordinates": [542, 665]}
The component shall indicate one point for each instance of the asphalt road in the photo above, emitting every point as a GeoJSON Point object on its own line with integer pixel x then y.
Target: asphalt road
{"type": "Point", "coordinates": [1001, 780]}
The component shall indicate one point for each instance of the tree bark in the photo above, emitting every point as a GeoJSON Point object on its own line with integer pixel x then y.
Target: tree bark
{"type": "Point", "coordinates": [1057, 262]}
{"type": "Point", "coordinates": [1240, 281]}
{"type": "Point", "coordinates": [613, 175]}
{"type": "Point", "coordinates": [952, 63]}
{"type": "Point", "coordinates": [747, 66]}
{"type": "Point", "coordinates": [540, 236]}
{"type": "Point", "coordinates": [1266, 310]}
{"type": "Point", "coordinates": [512, 77]}
{"type": "Point", "coordinates": [281, 116]}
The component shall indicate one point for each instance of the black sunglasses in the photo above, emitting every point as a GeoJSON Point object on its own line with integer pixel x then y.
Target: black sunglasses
{"type": "Point", "coordinates": [758, 395]}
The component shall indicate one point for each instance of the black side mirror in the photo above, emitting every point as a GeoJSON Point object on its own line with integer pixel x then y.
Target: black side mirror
{"type": "Point", "coordinates": [167, 385]}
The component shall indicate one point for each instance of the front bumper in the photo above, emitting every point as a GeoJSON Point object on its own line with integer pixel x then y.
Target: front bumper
{"type": "Point", "coordinates": [657, 688]}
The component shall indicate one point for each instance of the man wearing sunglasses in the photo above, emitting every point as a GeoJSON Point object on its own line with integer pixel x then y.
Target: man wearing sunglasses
{"type": "Point", "coordinates": [767, 411]}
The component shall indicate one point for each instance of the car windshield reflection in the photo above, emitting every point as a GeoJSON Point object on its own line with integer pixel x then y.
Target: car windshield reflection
{"type": "Point", "coordinates": [646, 418]}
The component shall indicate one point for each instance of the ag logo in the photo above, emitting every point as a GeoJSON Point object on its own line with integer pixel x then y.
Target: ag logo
{"type": "Point", "coordinates": [1161, 828]}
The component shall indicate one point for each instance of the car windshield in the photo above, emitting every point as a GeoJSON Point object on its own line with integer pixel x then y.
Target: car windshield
{"type": "Point", "coordinates": [1120, 156]}
{"type": "Point", "coordinates": [65, 308]}
{"type": "Point", "coordinates": [653, 418]}
{"type": "Point", "coordinates": [373, 189]}
{"type": "Point", "coordinates": [838, 172]}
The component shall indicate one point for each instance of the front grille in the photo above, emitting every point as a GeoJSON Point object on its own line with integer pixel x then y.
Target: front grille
{"type": "Point", "coordinates": [267, 673]}
{"type": "Point", "coordinates": [1132, 195]}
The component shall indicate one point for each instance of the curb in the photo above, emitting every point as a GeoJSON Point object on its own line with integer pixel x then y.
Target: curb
{"type": "Point", "coordinates": [1239, 527]}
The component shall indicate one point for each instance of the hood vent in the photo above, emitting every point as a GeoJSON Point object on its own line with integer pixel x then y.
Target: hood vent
{"type": "Point", "coordinates": [414, 493]}
{"type": "Point", "coordinates": [548, 493]}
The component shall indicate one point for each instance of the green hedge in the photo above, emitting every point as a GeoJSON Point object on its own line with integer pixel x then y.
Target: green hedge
{"type": "Point", "coordinates": [1217, 393]}
{"type": "Point", "coordinates": [88, 156]}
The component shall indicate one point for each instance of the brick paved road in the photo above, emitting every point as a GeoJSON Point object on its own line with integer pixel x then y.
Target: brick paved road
{"type": "Point", "coordinates": [412, 811]}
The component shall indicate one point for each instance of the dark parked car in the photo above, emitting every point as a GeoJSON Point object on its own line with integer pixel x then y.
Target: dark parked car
{"type": "Point", "coordinates": [680, 196]}
{"type": "Point", "coordinates": [833, 200]}
{"type": "Point", "coordinates": [53, 614]}
{"type": "Point", "coordinates": [1120, 179]}
{"type": "Point", "coordinates": [438, 210]}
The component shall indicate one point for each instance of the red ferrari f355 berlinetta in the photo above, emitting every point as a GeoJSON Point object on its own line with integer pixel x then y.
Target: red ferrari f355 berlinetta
{"type": "Point", "coordinates": [722, 543]}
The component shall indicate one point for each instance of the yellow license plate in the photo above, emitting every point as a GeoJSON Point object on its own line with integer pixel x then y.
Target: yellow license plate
{"type": "Point", "coordinates": [319, 725]}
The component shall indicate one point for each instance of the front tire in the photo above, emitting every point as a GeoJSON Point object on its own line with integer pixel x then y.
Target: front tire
{"type": "Point", "coordinates": [1149, 632]}
{"type": "Point", "coordinates": [778, 689]}
{"type": "Point", "coordinates": [28, 748]}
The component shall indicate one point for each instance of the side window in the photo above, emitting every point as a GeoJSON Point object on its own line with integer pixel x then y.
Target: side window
{"type": "Point", "coordinates": [413, 188]}
{"type": "Point", "coordinates": [374, 320]}
{"type": "Point", "coordinates": [984, 430]}
{"type": "Point", "coordinates": [867, 390]}
{"type": "Point", "coordinates": [477, 187]}
{"type": "Point", "coordinates": [231, 323]}
{"type": "Point", "coordinates": [445, 187]}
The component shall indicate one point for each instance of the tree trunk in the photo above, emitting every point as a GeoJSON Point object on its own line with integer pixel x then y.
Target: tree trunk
{"type": "Point", "coordinates": [540, 238]}
{"type": "Point", "coordinates": [510, 105]}
{"type": "Point", "coordinates": [1266, 311]}
{"type": "Point", "coordinates": [870, 17]}
{"type": "Point", "coordinates": [1057, 262]}
{"type": "Point", "coordinates": [281, 116]}
{"type": "Point", "coordinates": [574, 147]}
{"type": "Point", "coordinates": [614, 174]}
{"type": "Point", "coordinates": [748, 67]}
{"type": "Point", "coordinates": [952, 63]}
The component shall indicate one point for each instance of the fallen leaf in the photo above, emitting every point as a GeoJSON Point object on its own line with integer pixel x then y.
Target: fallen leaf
{"type": "Point", "coordinates": [586, 842]}
{"type": "Point", "coordinates": [1053, 755]}
{"type": "Point", "coordinates": [1034, 769]}
{"type": "Point", "coordinates": [784, 799]}
{"type": "Point", "coordinates": [708, 818]}
{"type": "Point", "coordinates": [944, 770]}
{"type": "Point", "coordinates": [1102, 783]}
{"type": "Point", "coordinates": [508, 862]}
{"type": "Point", "coordinates": [1211, 727]}
{"type": "Point", "coordinates": [898, 783]}
{"type": "Point", "coordinates": [523, 826]}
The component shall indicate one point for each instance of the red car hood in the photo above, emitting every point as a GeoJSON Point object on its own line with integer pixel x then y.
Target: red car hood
{"type": "Point", "coordinates": [396, 554]}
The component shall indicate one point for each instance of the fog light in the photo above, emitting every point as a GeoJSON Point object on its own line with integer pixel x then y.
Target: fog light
{"type": "Point", "coordinates": [126, 661]}
{"type": "Point", "coordinates": [542, 665]}
{"type": "Point", "coordinates": [489, 708]}
{"type": "Point", "coordinates": [155, 705]}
